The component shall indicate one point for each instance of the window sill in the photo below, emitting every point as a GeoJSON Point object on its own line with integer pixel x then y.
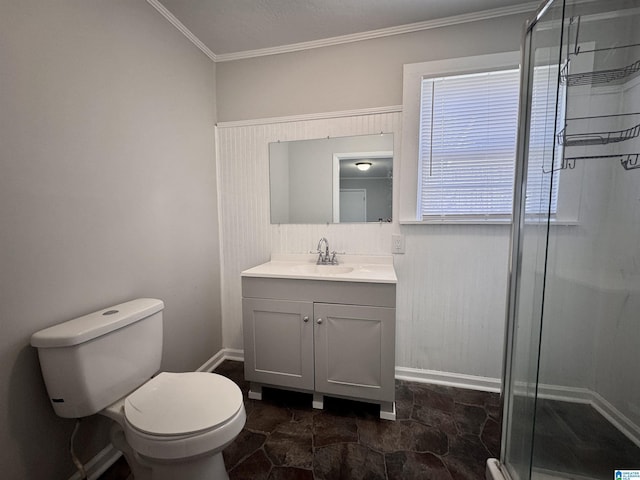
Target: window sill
{"type": "Point", "coordinates": [475, 221]}
{"type": "Point", "coordinates": [461, 221]}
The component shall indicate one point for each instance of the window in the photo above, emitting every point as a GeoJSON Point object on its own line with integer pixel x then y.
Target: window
{"type": "Point", "coordinates": [460, 123]}
{"type": "Point", "coordinates": [467, 150]}
{"type": "Point", "coordinates": [542, 145]}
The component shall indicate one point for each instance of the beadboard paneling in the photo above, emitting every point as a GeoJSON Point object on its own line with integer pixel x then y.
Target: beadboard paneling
{"type": "Point", "coordinates": [451, 282]}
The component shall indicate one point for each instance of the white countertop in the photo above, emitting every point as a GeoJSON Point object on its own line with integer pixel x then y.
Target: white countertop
{"type": "Point", "coordinates": [350, 268]}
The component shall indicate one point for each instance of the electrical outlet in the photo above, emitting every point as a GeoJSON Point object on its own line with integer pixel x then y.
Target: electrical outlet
{"type": "Point", "coordinates": [397, 243]}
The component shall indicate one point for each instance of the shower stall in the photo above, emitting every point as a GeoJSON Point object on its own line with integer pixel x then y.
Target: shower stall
{"type": "Point", "coordinates": [572, 358]}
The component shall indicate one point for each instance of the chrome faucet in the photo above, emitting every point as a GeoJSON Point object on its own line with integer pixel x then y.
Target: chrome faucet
{"type": "Point", "coordinates": [322, 256]}
{"type": "Point", "coordinates": [325, 257]}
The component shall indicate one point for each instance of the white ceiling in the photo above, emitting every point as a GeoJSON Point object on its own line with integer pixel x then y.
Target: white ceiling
{"type": "Point", "coordinates": [231, 26]}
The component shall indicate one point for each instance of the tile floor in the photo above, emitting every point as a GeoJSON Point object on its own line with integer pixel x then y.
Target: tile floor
{"type": "Point", "coordinates": [440, 433]}
{"type": "Point", "coordinates": [576, 440]}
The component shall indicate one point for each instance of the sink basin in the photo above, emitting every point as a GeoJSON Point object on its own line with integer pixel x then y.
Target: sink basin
{"type": "Point", "coordinates": [322, 269]}
{"type": "Point", "coordinates": [352, 268]}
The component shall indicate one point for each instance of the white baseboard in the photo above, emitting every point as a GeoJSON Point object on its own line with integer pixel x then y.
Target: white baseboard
{"type": "Point", "coordinates": [213, 362]}
{"type": "Point", "coordinates": [597, 401]}
{"type": "Point", "coordinates": [234, 354]}
{"type": "Point", "coordinates": [458, 380]}
{"type": "Point", "coordinates": [100, 463]}
{"type": "Point", "coordinates": [565, 394]}
{"type": "Point", "coordinates": [617, 418]}
{"type": "Point", "coordinates": [224, 354]}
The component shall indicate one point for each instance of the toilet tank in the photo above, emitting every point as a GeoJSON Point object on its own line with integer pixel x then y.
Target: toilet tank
{"type": "Point", "coordinates": [92, 361]}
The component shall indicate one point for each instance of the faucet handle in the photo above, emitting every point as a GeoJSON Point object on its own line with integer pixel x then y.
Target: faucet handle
{"type": "Point", "coordinates": [321, 256]}
{"type": "Point", "coordinates": [334, 260]}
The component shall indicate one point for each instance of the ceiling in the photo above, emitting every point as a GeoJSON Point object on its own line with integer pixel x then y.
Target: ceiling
{"type": "Point", "coordinates": [227, 27]}
{"type": "Point", "coordinates": [380, 168]}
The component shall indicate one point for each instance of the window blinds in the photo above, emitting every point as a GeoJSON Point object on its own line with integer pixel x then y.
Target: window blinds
{"type": "Point", "coordinates": [468, 130]}
{"type": "Point", "coordinates": [541, 193]}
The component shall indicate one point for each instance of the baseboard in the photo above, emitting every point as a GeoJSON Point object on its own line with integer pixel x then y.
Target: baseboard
{"type": "Point", "coordinates": [417, 375]}
{"type": "Point", "coordinates": [234, 354]}
{"type": "Point", "coordinates": [224, 354]}
{"type": "Point", "coordinates": [597, 401]}
{"type": "Point", "coordinates": [99, 463]}
{"type": "Point", "coordinates": [617, 418]}
{"type": "Point", "coordinates": [458, 380]}
{"type": "Point", "coordinates": [565, 394]}
{"type": "Point", "coordinates": [213, 362]}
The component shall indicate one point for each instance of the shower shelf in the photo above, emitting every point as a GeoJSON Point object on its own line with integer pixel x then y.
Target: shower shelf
{"type": "Point", "coordinates": [629, 161]}
{"type": "Point", "coordinates": [597, 138]}
{"type": "Point", "coordinates": [598, 76]}
{"type": "Point", "coordinates": [567, 164]}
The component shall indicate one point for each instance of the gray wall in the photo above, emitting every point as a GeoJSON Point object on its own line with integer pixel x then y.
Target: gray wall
{"type": "Point", "coordinates": [107, 193]}
{"type": "Point", "coordinates": [350, 76]}
{"type": "Point", "coordinates": [378, 195]}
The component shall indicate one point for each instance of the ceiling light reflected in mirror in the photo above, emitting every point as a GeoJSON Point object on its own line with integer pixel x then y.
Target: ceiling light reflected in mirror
{"type": "Point", "coordinates": [332, 180]}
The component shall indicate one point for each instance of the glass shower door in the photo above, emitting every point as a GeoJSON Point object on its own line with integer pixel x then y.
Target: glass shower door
{"type": "Point", "coordinates": [586, 419]}
{"type": "Point", "coordinates": [535, 196]}
{"type": "Point", "coordinates": [572, 363]}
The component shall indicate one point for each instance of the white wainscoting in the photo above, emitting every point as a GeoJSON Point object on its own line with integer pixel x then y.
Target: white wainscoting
{"type": "Point", "coordinates": [451, 281]}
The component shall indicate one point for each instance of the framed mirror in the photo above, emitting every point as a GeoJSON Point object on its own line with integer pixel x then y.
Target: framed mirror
{"type": "Point", "coordinates": [332, 180]}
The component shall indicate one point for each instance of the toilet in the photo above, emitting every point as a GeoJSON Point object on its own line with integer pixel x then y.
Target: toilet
{"type": "Point", "coordinates": [169, 425]}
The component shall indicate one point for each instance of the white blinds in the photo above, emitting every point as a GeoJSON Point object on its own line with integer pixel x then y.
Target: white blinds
{"type": "Point", "coordinates": [542, 141]}
{"type": "Point", "coordinates": [468, 129]}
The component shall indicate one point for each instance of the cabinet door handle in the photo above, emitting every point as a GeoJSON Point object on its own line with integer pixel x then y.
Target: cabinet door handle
{"type": "Point", "coordinates": [305, 318]}
{"type": "Point", "coordinates": [319, 321]}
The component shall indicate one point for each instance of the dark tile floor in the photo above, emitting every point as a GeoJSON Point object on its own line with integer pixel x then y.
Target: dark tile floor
{"type": "Point", "coordinates": [576, 440]}
{"type": "Point", "coordinates": [440, 433]}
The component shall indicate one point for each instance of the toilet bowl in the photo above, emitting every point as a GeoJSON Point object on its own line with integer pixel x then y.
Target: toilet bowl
{"type": "Point", "coordinates": [172, 426]}
{"type": "Point", "coordinates": [177, 425]}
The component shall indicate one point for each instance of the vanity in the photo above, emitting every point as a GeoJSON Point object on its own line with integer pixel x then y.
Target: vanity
{"type": "Point", "coordinates": [324, 329]}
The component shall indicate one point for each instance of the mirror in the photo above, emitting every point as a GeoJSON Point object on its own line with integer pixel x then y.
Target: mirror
{"type": "Point", "coordinates": [319, 181]}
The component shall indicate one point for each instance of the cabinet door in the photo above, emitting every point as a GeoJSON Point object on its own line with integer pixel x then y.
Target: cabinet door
{"type": "Point", "coordinates": [278, 342]}
{"type": "Point", "coordinates": [355, 351]}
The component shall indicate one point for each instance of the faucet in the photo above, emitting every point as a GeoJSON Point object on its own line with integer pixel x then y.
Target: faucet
{"type": "Point", "coordinates": [324, 257]}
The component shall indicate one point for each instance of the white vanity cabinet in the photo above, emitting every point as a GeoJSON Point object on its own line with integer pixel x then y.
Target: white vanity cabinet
{"type": "Point", "coordinates": [328, 337]}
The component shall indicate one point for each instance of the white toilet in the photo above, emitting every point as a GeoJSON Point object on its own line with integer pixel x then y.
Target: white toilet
{"type": "Point", "coordinates": [171, 426]}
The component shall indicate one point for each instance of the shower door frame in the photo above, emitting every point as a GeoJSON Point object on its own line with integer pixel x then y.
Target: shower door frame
{"type": "Point", "coordinates": [517, 228]}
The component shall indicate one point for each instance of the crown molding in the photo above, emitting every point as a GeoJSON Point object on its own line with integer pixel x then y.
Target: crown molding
{"type": "Point", "coordinates": [383, 32]}
{"type": "Point", "coordinates": [310, 116]}
{"type": "Point", "coordinates": [342, 39]}
{"type": "Point", "coordinates": [184, 30]}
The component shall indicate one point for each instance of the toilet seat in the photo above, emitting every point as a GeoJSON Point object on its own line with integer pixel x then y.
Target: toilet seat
{"type": "Point", "coordinates": [178, 415]}
{"type": "Point", "coordinates": [182, 403]}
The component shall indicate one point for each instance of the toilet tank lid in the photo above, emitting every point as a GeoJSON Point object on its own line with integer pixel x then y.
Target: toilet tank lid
{"type": "Point", "coordinates": [96, 324]}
